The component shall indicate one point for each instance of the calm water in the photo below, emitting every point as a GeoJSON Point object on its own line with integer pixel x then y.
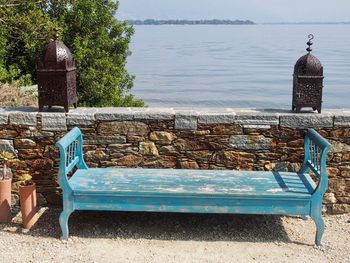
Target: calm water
{"type": "Point", "coordinates": [235, 66]}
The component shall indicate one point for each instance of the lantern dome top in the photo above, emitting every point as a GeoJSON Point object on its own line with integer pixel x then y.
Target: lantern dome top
{"type": "Point", "coordinates": [308, 65]}
{"type": "Point", "coordinates": [57, 54]}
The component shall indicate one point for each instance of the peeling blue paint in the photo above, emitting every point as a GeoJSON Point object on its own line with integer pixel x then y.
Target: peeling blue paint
{"type": "Point", "coordinates": [193, 191]}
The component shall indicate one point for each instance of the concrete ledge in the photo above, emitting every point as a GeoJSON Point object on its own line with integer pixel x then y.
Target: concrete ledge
{"type": "Point", "coordinates": [185, 118]}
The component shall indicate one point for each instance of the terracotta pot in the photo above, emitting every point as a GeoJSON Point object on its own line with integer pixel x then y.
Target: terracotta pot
{"type": "Point", "coordinates": [5, 201]}
{"type": "Point", "coordinates": [27, 197]}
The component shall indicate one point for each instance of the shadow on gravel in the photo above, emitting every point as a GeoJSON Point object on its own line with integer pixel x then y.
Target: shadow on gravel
{"type": "Point", "coordinates": [161, 226]}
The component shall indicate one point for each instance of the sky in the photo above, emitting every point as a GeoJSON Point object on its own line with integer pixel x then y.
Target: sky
{"type": "Point", "coordinates": [259, 11]}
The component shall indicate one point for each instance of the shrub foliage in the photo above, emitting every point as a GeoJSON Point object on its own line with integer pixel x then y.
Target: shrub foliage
{"type": "Point", "coordinates": [98, 41]}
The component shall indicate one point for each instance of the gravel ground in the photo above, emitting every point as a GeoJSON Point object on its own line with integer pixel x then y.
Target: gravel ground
{"type": "Point", "coordinates": [150, 237]}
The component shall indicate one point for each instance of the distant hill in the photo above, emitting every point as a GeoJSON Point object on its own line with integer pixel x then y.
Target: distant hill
{"type": "Point", "coordinates": [190, 22]}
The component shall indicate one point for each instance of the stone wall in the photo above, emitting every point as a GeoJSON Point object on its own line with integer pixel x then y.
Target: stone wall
{"type": "Point", "coordinates": [177, 138]}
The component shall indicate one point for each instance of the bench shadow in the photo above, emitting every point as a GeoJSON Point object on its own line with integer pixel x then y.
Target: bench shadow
{"type": "Point", "coordinates": [163, 226]}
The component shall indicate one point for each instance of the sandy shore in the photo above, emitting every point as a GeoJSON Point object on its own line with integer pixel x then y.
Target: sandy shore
{"type": "Point", "coordinates": [149, 237]}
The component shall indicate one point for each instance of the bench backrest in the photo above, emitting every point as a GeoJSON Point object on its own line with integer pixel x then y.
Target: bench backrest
{"type": "Point", "coordinates": [316, 149]}
{"type": "Point", "coordinates": [71, 155]}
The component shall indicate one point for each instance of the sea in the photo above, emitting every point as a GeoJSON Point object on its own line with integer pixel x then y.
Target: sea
{"type": "Point", "coordinates": [248, 66]}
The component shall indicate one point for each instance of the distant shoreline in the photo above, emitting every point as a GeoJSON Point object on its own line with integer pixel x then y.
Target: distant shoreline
{"type": "Point", "coordinates": [155, 22]}
{"type": "Point", "coordinates": [190, 22]}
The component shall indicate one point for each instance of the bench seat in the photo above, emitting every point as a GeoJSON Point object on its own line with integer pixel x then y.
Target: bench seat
{"type": "Point", "coordinates": [163, 182]}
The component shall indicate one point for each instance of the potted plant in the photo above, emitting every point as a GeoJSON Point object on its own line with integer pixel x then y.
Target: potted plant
{"type": "Point", "coordinates": [27, 199]}
{"type": "Point", "coordinates": [5, 189]}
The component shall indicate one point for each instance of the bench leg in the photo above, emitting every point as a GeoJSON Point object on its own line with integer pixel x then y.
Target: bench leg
{"type": "Point", "coordinates": [319, 228]}
{"type": "Point", "coordinates": [64, 216]}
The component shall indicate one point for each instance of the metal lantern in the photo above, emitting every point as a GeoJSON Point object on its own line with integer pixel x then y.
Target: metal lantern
{"type": "Point", "coordinates": [308, 81]}
{"type": "Point", "coordinates": [56, 74]}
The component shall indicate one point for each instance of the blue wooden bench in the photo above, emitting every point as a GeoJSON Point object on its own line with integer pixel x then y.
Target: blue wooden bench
{"type": "Point", "coordinates": [193, 191]}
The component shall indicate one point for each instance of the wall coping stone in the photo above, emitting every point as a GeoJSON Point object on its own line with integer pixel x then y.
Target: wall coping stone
{"type": "Point", "coordinates": [185, 118]}
{"type": "Point", "coordinates": [53, 121]}
{"type": "Point", "coordinates": [81, 116]}
{"type": "Point", "coordinates": [4, 117]}
{"type": "Point", "coordinates": [22, 116]}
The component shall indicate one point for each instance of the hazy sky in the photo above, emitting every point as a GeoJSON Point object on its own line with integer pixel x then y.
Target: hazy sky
{"type": "Point", "coordinates": [256, 10]}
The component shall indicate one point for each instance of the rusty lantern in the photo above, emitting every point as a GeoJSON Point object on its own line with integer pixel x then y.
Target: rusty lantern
{"type": "Point", "coordinates": [308, 81]}
{"type": "Point", "coordinates": [56, 74]}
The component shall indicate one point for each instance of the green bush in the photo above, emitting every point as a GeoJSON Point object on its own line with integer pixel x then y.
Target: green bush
{"type": "Point", "coordinates": [98, 41]}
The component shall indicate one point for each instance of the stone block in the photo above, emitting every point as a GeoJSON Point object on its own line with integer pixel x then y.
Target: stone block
{"type": "Point", "coordinates": [339, 147]}
{"type": "Point", "coordinates": [257, 118]}
{"type": "Point", "coordinates": [203, 155]}
{"type": "Point", "coordinates": [344, 199]}
{"type": "Point", "coordinates": [24, 143]}
{"type": "Point", "coordinates": [154, 114]}
{"type": "Point", "coordinates": [162, 137]}
{"type": "Point", "coordinates": [30, 153]}
{"type": "Point", "coordinates": [53, 121]}
{"type": "Point", "coordinates": [250, 142]}
{"type": "Point", "coordinates": [303, 121]}
{"type": "Point", "coordinates": [224, 129]}
{"type": "Point", "coordinates": [114, 114]}
{"type": "Point", "coordinates": [23, 118]}
{"type": "Point", "coordinates": [340, 209]}
{"type": "Point", "coordinates": [8, 173]}
{"type": "Point", "coordinates": [186, 121]}
{"type": "Point", "coordinates": [95, 156]}
{"type": "Point", "coordinates": [41, 164]}
{"type": "Point", "coordinates": [256, 127]}
{"type": "Point", "coordinates": [192, 145]}
{"type": "Point", "coordinates": [332, 171]}
{"type": "Point", "coordinates": [216, 118]}
{"type": "Point", "coordinates": [168, 150]}
{"type": "Point", "coordinates": [148, 148]}
{"type": "Point", "coordinates": [7, 146]}
{"type": "Point", "coordinates": [96, 140]}
{"type": "Point", "coordinates": [4, 117]}
{"type": "Point", "coordinates": [129, 161]}
{"type": "Point", "coordinates": [329, 198]}
{"type": "Point", "coordinates": [123, 128]}
{"type": "Point", "coordinates": [341, 118]}
{"type": "Point", "coordinates": [233, 158]}
{"type": "Point", "coordinates": [81, 117]}
{"type": "Point", "coordinates": [188, 165]}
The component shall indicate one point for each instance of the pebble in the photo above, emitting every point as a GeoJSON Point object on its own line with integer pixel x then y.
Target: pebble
{"type": "Point", "coordinates": [160, 238]}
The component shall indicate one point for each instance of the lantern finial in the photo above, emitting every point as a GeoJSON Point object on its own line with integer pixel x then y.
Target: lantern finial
{"type": "Point", "coordinates": [309, 43]}
{"type": "Point", "coordinates": [55, 36]}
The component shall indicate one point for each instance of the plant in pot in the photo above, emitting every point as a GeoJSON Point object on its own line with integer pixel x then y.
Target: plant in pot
{"type": "Point", "coordinates": [27, 199]}
{"type": "Point", "coordinates": [5, 189]}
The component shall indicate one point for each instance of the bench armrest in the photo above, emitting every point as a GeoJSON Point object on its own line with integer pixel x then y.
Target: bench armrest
{"type": "Point", "coordinates": [316, 149]}
{"type": "Point", "coordinates": [71, 155]}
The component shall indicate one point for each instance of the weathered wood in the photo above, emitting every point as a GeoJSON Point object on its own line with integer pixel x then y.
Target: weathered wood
{"type": "Point", "coordinates": [193, 191]}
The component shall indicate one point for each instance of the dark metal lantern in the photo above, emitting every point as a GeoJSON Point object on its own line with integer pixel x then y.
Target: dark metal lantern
{"type": "Point", "coordinates": [308, 81]}
{"type": "Point", "coordinates": [56, 74]}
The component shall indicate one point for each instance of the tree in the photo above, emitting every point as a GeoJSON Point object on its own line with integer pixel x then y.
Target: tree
{"type": "Point", "coordinates": [24, 30]}
{"type": "Point", "coordinates": [98, 41]}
